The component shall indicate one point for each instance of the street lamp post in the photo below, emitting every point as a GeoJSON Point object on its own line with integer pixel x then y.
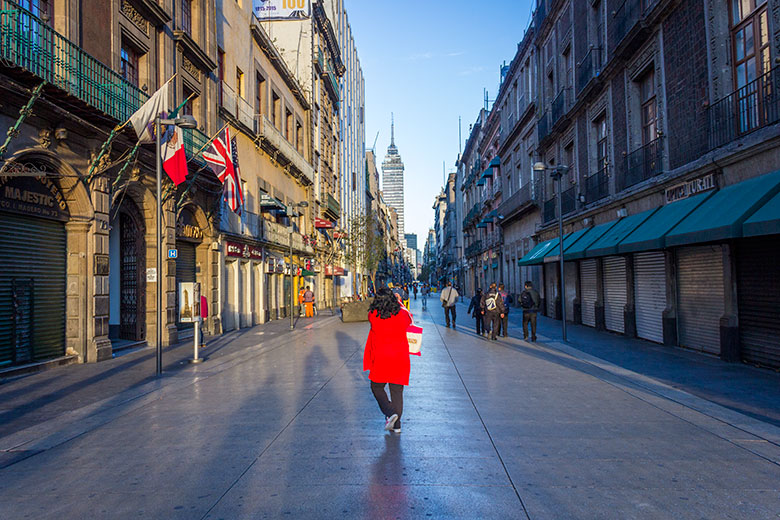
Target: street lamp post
{"type": "Point", "coordinates": [557, 174]}
{"type": "Point", "coordinates": [301, 204]}
{"type": "Point", "coordinates": [185, 121]}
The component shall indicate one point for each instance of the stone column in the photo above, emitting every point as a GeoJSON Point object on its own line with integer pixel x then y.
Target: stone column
{"type": "Point", "coordinates": [77, 291]}
{"type": "Point", "coordinates": [98, 267]}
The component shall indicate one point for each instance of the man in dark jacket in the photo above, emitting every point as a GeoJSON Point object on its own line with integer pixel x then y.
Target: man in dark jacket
{"type": "Point", "coordinates": [475, 308]}
{"type": "Point", "coordinates": [529, 301]}
{"type": "Point", "coordinates": [493, 309]}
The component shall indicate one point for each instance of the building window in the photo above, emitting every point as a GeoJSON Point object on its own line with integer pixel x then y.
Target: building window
{"type": "Point", "coordinates": [239, 82]}
{"type": "Point", "coordinates": [186, 16]}
{"type": "Point", "coordinates": [750, 37]}
{"type": "Point", "coordinates": [568, 160]}
{"type": "Point", "coordinates": [601, 142]}
{"type": "Point", "coordinates": [288, 126]}
{"type": "Point", "coordinates": [354, 181]}
{"type": "Point", "coordinates": [648, 110]}
{"type": "Point", "coordinates": [220, 72]}
{"type": "Point", "coordinates": [130, 59]}
{"type": "Point", "coordinates": [190, 98]}
{"type": "Point", "coordinates": [299, 137]}
{"type": "Point", "coordinates": [260, 94]}
{"type": "Point", "coordinates": [276, 114]}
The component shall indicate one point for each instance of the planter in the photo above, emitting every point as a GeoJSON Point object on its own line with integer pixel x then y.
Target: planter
{"type": "Point", "coordinates": [355, 311]}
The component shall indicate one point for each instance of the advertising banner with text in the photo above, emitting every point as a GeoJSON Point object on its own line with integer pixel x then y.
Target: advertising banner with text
{"type": "Point", "coordinates": [282, 9]}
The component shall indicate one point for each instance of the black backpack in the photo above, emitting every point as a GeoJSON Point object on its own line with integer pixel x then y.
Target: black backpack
{"type": "Point", "coordinates": [526, 300]}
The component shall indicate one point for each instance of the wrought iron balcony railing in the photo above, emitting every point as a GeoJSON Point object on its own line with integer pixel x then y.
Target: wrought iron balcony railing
{"type": "Point", "coordinates": [29, 43]}
{"type": "Point", "coordinates": [559, 106]}
{"type": "Point", "coordinates": [569, 200]}
{"type": "Point", "coordinates": [543, 126]}
{"type": "Point", "coordinates": [589, 68]}
{"type": "Point", "coordinates": [526, 196]}
{"type": "Point", "coordinates": [597, 185]}
{"type": "Point", "coordinates": [550, 210]}
{"type": "Point", "coordinates": [641, 164]}
{"type": "Point", "coordinates": [745, 110]}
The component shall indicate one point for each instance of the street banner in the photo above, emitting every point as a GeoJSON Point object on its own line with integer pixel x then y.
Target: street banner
{"type": "Point", "coordinates": [266, 10]}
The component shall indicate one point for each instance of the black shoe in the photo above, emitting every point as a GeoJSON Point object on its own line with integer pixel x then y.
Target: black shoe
{"type": "Point", "coordinates": [533, 339]}
{"type": "Point", "coordinates": [525, 338]}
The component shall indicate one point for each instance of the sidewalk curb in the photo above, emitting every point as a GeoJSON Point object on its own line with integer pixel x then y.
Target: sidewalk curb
{"type": "Point", "coordinates": [74, 423]}
{"type": "Point", "coordinates": [718, 420]}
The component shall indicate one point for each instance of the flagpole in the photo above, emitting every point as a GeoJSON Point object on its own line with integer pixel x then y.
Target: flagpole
{"type": "Point", "coordinates": [157, 128]}
{"type": "Point", "coordinates": [208, 142]}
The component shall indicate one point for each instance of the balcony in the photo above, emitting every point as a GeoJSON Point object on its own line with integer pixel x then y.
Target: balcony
{"type": "Point", "coordinates": [279, 234]}
{"type": "Point", "coordinates": [543, 126]}
{"type": "Point", "coordinates": [627, 29]}
{"type": "Point", "coordinates": [745, 110]}
{"type": "Point", "coordinates": [332, 206]}
{"type": "Point", "coordinates": [589, 68]}
{"type": "Point", "coordinates": [227, 98]}
{"type": "Point", "coordinates": [29, 43]}
{"type": "Point", "coordinates": [524, 198]}
{"type": "Point", "coordinates": [569, 200]}
{"type": "Point", "coordinates": [550, 209]}
{"type": "Point", "coordinates": [474, 248]}
{"type": "Point", "coordinates": [597, 186]}
{"type": "Point", "coordinates": [270, 134]}
{"type": "Point", "coordinates": [559, 106]}
{"type": "Point", "coordinates": [641, 164]}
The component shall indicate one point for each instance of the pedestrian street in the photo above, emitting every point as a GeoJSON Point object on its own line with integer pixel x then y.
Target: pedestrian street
{"type": "Point", "coordinates": [287, 427]}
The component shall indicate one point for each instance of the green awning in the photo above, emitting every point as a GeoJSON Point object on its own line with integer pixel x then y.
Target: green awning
{"type": "Point", "coordinates": [650, 234]}
{"type": "Point", "coordinates": [552, 254]}
{"type": "Point", "coordinates": [536, 255]}
{"type": "Point", "coordinates": [765, 221]}
{"type": "Point", "coordinates": [306, 272]}
{"type": "Point", "coordinates": [481, 182]}
{"type": "Point", "coordinates": [495, 162]}
{"type": "Point", "coordinates": [487, 173]}
{"type": "Point", "coordinates": [577, 249]}
{"type": "Point", "coordinates": [482, 225]}
{"type": "Point", "coordinates": [721, 216]}
{"type": "Point", "coordinates": [607, 244]}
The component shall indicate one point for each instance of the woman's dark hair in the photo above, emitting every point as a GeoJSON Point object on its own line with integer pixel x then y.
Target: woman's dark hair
{"type": "Point", "coordinates": [385, 304]}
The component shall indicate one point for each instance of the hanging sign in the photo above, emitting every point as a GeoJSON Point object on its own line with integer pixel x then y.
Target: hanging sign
{"type": "Point", "coordinates": [321, 223]}
{"type": "Point", "coordinates": [189, 302]}
{"type": "Point", "coordinates": [281, 9]}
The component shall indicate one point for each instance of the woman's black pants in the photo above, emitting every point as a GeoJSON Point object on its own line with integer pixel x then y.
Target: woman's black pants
{"type": "Point", "coordinates": [389, 406]}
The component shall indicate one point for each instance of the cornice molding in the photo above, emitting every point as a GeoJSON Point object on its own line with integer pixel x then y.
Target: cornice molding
{"type": "Point", "coordinates": [154, 12]}
{"type": "Point", "coordinates": [198, 56]}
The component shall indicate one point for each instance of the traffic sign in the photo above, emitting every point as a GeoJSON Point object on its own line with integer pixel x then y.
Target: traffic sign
{"type": "Point", "coordinates": [173, 253]}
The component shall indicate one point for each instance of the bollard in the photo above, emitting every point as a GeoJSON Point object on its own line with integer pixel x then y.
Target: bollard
{"type": "Point", "coordinates": [195, 359]}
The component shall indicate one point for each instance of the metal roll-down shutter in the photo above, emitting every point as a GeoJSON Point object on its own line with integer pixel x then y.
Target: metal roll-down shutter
{"type": "Point", "coordinates": [700, 287]}
{"type": "Point", "coordinates": [615, 293]}
{"type": "Point", "coordinates": [589, 292]}
{"type": "Point", "coordinates": [650, 295]}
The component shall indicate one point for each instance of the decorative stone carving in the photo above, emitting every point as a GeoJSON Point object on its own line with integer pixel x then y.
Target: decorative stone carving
{"type": "Point", "coordinates": [134, 16]}
{"type": "Point", "coordinates": [190, 67]}
{"type": "Point", "coordinates": [44, 137]}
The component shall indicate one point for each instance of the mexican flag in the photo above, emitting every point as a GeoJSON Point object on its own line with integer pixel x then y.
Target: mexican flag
{"type": "Point", "coordinates": [174, 160]}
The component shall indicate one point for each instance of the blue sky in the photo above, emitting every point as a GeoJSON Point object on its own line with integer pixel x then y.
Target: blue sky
{"type": "Point", "coordinates": [428, 62]}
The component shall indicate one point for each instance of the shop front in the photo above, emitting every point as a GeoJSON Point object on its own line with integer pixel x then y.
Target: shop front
{"type": "Point", "coordinates": [33, 239]}
{"type": "Point", "coordinates": [189, 236]}
{"type": "Point", "coordinates": [243, 284]}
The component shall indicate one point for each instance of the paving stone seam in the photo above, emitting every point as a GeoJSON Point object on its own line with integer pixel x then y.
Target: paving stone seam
{"type": "Point", "coordinates": [481, 420]}
{"type": "Point", "coordinates": [52, 433]}
{"type": "Point", "coordinates": [268, 446]}
{"type": "Point", "coordinates": [635, 381]}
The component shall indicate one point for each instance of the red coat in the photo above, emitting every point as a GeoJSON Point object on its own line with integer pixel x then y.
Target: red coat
{"type": "Point", "coordinates": [387, 351]}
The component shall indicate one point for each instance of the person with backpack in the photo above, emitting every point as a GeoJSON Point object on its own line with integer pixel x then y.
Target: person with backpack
{"type": "Point", "coordinates": [529, 301]}
{"type": "Point", "coordinates": [493, 309]}
{"type": "Point", "coordinates": [476, 305]}
{"type": "Point", "coordinates": [504, 323]}
{"type": "Point", "coordinates": [449, 298]}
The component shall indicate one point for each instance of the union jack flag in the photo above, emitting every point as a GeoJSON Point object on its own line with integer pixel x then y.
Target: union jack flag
{"type": "Point", "coordinates": [222, 157]}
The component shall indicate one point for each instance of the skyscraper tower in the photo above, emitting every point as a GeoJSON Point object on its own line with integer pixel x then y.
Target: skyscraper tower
{"type": "Point", "coordinates": [393, 179]}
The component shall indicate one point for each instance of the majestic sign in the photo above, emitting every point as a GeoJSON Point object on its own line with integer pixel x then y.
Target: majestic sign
{"type": "Point", "coordinates": [332, 270]}
{"type": "Point", "coordinates": [281, 9]}
{"type": "Point", "coordinates": [33, 196]}
{"type": "Point", "coordinates": [243, 251]}
{"type": "Point", "coordinates": [690, 188]}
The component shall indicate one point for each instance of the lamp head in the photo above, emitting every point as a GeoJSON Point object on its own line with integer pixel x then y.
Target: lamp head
{"type": "Point", "coordinates": [303, 204]}
{"type": "Point", "coordinates": [539, 167]}
{"type": "Point", "coordinates": [186, 121]}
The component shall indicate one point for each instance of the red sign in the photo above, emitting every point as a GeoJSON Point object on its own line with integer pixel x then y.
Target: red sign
{"type": "Point", "coordinates": [339, 234]}
{"type": "Point", "coordinates": [332, 270]}
{"type": "Point", "coordinates": [321, 223]}
{"type": "Point", "coordinates": [243, 251]}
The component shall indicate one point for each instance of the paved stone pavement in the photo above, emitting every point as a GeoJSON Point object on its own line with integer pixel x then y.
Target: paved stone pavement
{"type": "Point", "coordinates": [287, 427]}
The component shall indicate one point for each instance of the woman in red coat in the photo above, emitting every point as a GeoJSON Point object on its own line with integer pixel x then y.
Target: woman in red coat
{"type": "Point", "coordinates": [387, 355]}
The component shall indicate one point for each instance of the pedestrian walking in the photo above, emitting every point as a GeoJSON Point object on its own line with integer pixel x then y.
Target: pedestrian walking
{"type": "Point", "coordinates": [301, 291]}
{"type": "Point", "coordinates": [415, 292]}
{"type": "Point", "coordinates": [308, 302]}
{"type": "Point", "coordinates": [406, 296]}
{"type": "Point", "coordinates": [529, 302]}
{"type": "Point", "coordinates": [503, 329]}
{"type": "Point", "coordinates": [449, 297]}
{"type": "Point", "coordinates": [425, 291]}
{"type": "Point", "coordinates": [386, 355]}
{"type": "Point", "coordinates": [476, 313]}
{"type": "Point", "coordinates": [493, 309]}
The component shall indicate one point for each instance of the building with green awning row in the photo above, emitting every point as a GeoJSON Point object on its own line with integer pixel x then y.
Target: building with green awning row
{"type": "Point", "coordinates": [664, 273]}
